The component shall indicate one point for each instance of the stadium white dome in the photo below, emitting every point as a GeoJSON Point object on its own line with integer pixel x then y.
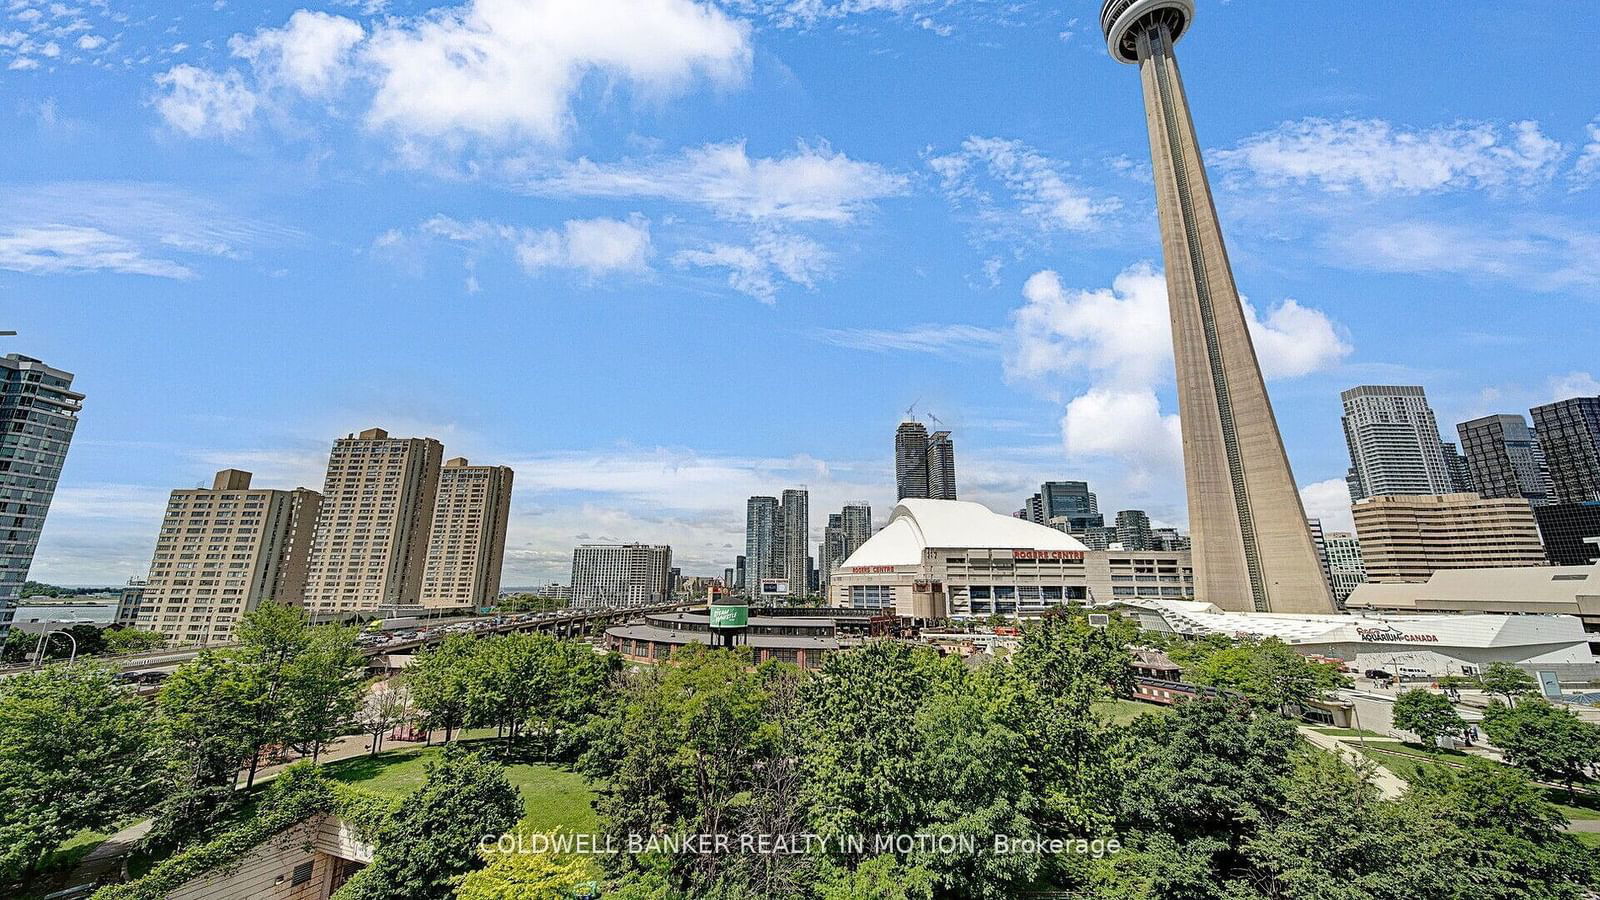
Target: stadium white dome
{"type": "Point", "coordinates": [916, 525]}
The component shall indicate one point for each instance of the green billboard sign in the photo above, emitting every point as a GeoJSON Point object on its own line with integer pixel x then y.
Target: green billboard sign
{"type": "Point", "coordinates": [729, 616]}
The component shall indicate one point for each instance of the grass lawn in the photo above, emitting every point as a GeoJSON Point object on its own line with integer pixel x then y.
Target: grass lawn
{"type": "Point", "coordinates": [554, 797]}
{"type": "Point", "coordinates": [1588, 838]}
{"type": "Point", "coordinates": [66, 857]}
{"type": "Point", "coordinates": [1573, 812]}
{"type": "Point", "coordinates": [1121, 712]}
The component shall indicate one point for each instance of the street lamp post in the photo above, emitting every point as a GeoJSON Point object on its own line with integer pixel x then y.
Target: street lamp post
{"type": "Point", "coordinates": [38, 651]}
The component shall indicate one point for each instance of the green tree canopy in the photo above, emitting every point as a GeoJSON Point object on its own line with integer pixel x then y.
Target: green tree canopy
{"type": "Point", "coordinates": [433, 839]}
{"type": "Point", "coordinates": [75, 753]}
{"type": "Point", "coordinates": [208, 718]}
{"type": "Point", "coordinates": [1508, 681]}
{"type": "Point", "coordinates": [1268, 672]}
{"type": "Point", "coordinates": [1545, 740]}
{"type": "Point", "coordinates": [442, 682]}
{"type": "Point", "coordinates": [1427, 715]}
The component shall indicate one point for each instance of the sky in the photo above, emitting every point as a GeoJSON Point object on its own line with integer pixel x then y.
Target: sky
{"type": "Point", "coordinates": [661, 255]}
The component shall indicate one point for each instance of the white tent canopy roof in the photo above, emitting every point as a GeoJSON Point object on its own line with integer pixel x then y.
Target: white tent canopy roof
{"type": "Point", "coordinates": [916, 525]}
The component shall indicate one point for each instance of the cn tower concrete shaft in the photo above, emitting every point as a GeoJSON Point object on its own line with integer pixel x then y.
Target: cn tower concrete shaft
{"type": "Point", "coordinates": [1252, 547]}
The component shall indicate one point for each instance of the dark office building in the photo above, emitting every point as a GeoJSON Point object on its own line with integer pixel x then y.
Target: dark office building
{"type": "Point", "coordinates": [1070, 500]}
{"type": "Point", "coordinates": [1564, 528]}
{"type": "Point", "coordinates": [1569, 432]}
{"type": "Point", "coordinates": [1505, 458]}
{"type": "Point", "coordinates": [1460, 470]}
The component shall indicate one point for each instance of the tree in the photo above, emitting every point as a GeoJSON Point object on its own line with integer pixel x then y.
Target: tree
{"type": "Point", "coordinates": [571, 685]}
{"type": "Point", "coordinates": [503, 680]}
{"type": "Point", "coordinates": [322, 688]}
{"type": "Point", "coordinates": [1510, 841]}
{"type": "Point", "coordinates": [441, 683]}
{"type": "Point", "coordinates": [1063, 667]}
{"type": "Point", "coordinates": [208, 721]}
{"type": "Point", "coordinates": [1337, 838]}
{"type": "Point", "coordinates": [1547, 741]}
{"type": "Point", "coordinates": [861, 758]}
{"type": "Point", "coordinates": [75, 753]}
{"type": "Point", "coordinates": [525, 874]}
{"type": "Point", "coordinates": [1207, 775]}
{"type": "Point", "coordinates": [1508, 681]}
{"type": "Point", "coordinates": [881, 878]}
{"type": "Point", "coordinates": [386, 707]}
{"type": "Point", "coordinates": [269, 638]}
{"type": "Point", "coordinates": [688, 737]}
{"type": "Point", "coordinates": [132, 640]}
{"type": "Point", "coordinates": [1427, 715]}
{"type": "Point", "coordinates": [433, 838]}
{"type": "Point", "coordinates": [1268, 672]}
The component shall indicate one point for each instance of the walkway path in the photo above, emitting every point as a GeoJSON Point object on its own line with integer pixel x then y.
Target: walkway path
{"type": "Point", "coordinates": [1387, 783]}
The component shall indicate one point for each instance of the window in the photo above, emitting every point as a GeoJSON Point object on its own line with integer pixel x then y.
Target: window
{"type": "Point", "coordinates": [302, 873]}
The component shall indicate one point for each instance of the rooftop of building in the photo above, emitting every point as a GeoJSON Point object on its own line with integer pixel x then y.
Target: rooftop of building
{"type": "Point", "coordinates": [1470, 630]}
{"type": "Point", "coordinates": [1520, 585]}
{"type": "Point", "coordinates": [915, 525]}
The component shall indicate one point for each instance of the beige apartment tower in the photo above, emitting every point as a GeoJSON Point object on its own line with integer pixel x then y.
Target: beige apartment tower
{"type": "Point", "coordinates": [371, 540]}
{"type": "Point", "coordinates": [1409, 537]}
{"type": "Point", "coordinates": [222, 552]}
{"type": "Point", "coordinates": [468, 545]}
{"type": "Point", "coordinates": [1252, 547]}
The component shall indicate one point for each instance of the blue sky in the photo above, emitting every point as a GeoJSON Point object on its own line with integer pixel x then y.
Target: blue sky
{"type": "Point", "coordinates": [659, 255]}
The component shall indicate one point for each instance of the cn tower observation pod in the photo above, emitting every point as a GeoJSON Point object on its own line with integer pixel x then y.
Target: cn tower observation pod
{"type": "Point", "coordinates": [1124, 20]}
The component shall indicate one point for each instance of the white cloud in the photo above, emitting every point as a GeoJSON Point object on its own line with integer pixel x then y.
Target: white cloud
{"type": "Point", "coordinates": [1382, 158]}
{"type": "Point", "coordinates": [593, 246]}
{"type": "Point", "coordinates": [1574, 384]}
{"type": "Point", "coordinates": [1329, 501]}
{"type": "Point", "coordinates": [198, 102]}
{"type": "Point", "coordinates": [502, 71]}
{"type": "Point", "coordinates": [1539, 253]}
{"type": "Point", "coordinates": [1112, 349]}
{"type": "Point", "coordinates": [509, 68]}
{"type": "Point", "coordinates": [758, 268]}
{"type": "Point", "coordinates": [1125, 424]}
{"type": "Point", "coordinates": [1121, 333]}
{"type": "Point", "coordinates": [1125, 333]}
{"type": "Point", "coordinates": [814, 184]}
{"type": "Point", "coordinates": [1037, 195]}
{"type": "Point", "coordinates": [63, 249]}
{"type": "Point", "coordinates": [934, 339]}
{"type": "Point", "coordinates": [311, 54]}
{"type": "Point", "coordinates": [1586, 171]}
{"type": "Point", "coordinates": [808, 13]}
{"type": "Point", "coordinates": [1294, 340]}
{"type": "Point", "coordinates": [91, 42]}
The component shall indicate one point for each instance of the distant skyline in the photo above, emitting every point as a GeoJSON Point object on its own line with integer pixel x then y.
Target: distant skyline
{"type": "Point", "coordinates": [697, 252]}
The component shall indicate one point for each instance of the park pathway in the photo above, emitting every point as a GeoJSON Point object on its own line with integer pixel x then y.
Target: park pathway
{"type": "Point", "coordinates": [1388, 784]}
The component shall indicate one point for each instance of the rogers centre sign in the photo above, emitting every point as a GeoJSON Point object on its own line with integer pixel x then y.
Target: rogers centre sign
{"type": "Point", "coordinates": [1047, 554]}
{"type": "Point", "coordinates": [867, 570]}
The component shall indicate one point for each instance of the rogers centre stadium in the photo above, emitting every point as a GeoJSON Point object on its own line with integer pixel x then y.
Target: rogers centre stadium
{"type": "Point", "coordinates": [938, 559]}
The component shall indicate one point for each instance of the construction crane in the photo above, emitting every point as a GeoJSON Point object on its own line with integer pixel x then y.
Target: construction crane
{"type": "Point", "coordinates": [911, 411]}
{"type": "Point", "coordinates": [935, 420]}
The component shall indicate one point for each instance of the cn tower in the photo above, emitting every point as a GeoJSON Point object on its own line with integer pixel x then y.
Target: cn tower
{"type": "Point", "coordinates": [1252, 547]}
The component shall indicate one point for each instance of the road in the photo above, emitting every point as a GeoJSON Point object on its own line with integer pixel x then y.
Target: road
{"type": "Point", "coordinates": [563, 623]}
